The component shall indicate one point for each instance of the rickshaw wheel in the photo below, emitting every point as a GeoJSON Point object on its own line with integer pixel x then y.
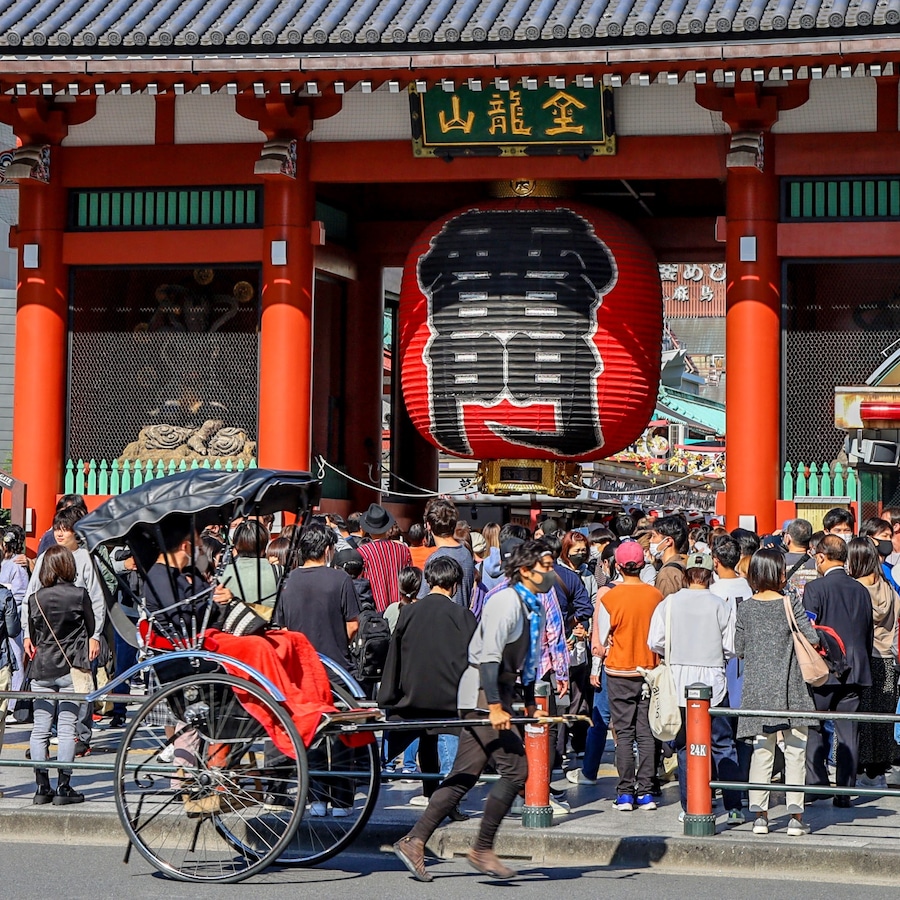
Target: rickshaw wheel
{"type": "Point", "coordinates": [228, 803]}
{"type": "Point", "coordinates": [343, 790]}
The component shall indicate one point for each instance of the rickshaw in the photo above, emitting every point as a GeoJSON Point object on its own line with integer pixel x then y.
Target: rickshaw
{"type": "Point", "coordinates": [213, 779]}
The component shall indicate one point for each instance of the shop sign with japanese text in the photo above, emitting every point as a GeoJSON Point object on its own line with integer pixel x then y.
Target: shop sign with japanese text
{"type": "Point", "coordinates": [517, 122]}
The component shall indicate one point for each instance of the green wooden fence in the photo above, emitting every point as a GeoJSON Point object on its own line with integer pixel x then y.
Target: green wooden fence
{"type": "Point", "coordinates": [104, 478]}
{"type": "Point", "coordinates": [818, 480]}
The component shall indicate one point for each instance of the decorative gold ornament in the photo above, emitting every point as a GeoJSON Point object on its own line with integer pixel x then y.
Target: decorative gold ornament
{"type": "Point", "coordinates": [529, 187]}
{"type": "Point", "coordinates": [243, 292]}
{"type": "Point", "coordinates": [203, 276]}
{"type": "Point", "coordinates": [530, 476]}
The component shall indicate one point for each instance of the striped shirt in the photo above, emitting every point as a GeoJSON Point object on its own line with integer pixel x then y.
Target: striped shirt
{"type": "Point", "coordinates": [383, 562]}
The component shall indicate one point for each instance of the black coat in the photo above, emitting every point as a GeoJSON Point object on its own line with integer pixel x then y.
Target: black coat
{"type": "Point", "coordinates": [428, 654]}
{"type": "Point", "coordinates": [842, 603]}
{"type": "Point", "coordinates": [60, 635]}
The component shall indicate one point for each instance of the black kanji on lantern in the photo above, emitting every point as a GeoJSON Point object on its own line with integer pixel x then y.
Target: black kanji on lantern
{"type": "Point", "coordinates": [513, 297]}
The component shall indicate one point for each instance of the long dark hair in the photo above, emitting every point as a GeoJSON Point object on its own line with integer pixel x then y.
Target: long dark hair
{"type": "Point", "coordinates": [863, 558]}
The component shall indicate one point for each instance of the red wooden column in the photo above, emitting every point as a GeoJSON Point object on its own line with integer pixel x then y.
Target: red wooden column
{"type": "Point", "coordinates": [363, 365]}
{"type": "Point", "coordinates": [285, 344]}
{"type": "Point", "coordinates": [753, 345]}
{"type": "Point", "coordinates": [39, 394]}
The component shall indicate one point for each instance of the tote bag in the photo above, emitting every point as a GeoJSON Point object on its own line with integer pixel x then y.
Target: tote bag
{"type": "Point", "coordinates": [665, 710]}
{"type": "Point", "coordinates": [813, 667]}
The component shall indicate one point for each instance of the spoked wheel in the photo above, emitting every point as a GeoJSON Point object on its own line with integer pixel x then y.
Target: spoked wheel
{"type": "Point", "coordinates": [204, 791]}
{"type": "Point", "coordinates": [343, 791]}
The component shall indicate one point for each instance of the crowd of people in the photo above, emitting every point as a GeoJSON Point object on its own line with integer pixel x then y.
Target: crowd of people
{"type": "Point", "coordinates": [446, 621]}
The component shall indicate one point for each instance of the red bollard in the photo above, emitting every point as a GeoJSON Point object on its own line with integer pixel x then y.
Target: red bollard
{"type": "Point", "coordinates": [537, 812]}
{"type": "Point", "coordinates": [699, 820]}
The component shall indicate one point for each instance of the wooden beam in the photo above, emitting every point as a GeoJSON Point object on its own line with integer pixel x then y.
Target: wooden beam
{"type": "Point", "coordinates": [379, 162]}
{"type": "Point", "coordinates": [868, 153]}
{"type": "Point", "coordinates": [846, 240]}
{"type": "Point", "coordinates": [90, 248]}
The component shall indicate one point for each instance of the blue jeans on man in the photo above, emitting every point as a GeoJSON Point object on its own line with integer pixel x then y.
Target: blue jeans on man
{"type": "Point", "coordinates": [724, 757]}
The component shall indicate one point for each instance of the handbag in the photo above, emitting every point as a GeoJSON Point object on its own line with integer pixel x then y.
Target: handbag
{"type": "Point", "coordinates": [241, 620]}
{"type": "Point", "coordinates": [82, 679]}
{"type": "Point", "coordinates": [665, 710]}
{"type": "Point", "coordinates": [813, 667]}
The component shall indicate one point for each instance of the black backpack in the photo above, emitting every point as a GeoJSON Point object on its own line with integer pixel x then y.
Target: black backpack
{"type": "Point", "coordinates": [369, 647]}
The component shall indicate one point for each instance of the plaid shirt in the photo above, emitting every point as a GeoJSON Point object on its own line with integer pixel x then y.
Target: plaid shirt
{"type": "Point", "coordinates": [554, 650]}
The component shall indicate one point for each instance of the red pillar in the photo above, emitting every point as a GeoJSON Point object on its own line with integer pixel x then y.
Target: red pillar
{"type": "Point", "coordinates": [753, 345]}
{"type": "Point", "coordinates": [39, 396]}
{"type": "Point", "coordinates": [363, 363]}
{"type": "Point", "coordinates": [285, 345]}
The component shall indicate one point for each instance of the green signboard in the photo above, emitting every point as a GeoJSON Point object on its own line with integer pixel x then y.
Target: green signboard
{"type": "Point", "coordinates": [516, 122]}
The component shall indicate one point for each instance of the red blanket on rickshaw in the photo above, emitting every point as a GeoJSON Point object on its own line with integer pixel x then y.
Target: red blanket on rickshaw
{"type": "Point", "coordinates": [289, 661]}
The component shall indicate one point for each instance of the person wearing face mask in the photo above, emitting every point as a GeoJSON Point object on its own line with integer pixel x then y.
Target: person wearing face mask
{"type": "Point", "coordinates": [506, 644]}
{"type": "Point", "coordinates": [319, 601]}
{"type": "Point", "coordinates": [840, 522]}
{"type": "Point", "coordinates": [574, 556]}
{"type": "Point", "coordinates": [842, 603]}
{"type": "Point", "coordinates": [879, 532]}
{"type": "Point", "coordinates": [668, 545]}
{"type": "Point", "coordinates": [877, 748]}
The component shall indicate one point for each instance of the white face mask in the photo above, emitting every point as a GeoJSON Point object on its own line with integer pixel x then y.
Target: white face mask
{"type": "Point", "coordinates": [846, 537]}
{"type": "Point", "coordinates": [654, 549]}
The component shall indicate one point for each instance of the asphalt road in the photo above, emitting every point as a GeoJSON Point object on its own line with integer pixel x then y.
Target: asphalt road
{"type": "Point", "coordinates": [36, 872]}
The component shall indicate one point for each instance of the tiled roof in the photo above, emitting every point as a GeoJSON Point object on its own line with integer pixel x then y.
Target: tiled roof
{"type": "Point", "coordinates": [181, 27]}
{"type": "Point", "coordinates": [707, 415]}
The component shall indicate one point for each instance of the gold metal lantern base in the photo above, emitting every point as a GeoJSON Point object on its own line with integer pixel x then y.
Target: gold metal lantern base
{"type": "Point", "coordinates": [530, 476]}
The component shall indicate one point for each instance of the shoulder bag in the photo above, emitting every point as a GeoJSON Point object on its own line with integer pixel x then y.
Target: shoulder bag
{"type": "Point", "coordinates": [813, 667]}
{"type": "Point", "coordinates": [665, 710]}
{"type": "Point", "coordinates": [82, 679]}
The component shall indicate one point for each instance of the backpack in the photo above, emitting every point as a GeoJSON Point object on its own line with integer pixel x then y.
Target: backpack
{"type": "Point", "coordinates": [369, 647]}
{"type": "Point", "coordinates": [832, 648]}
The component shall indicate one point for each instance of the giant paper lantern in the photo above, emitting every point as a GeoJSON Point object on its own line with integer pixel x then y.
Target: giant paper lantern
{"type": "Point", "coordinates": [530, 329]}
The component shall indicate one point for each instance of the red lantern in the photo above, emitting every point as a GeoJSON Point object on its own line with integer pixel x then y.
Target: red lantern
{"type": "Point", "coordinates": [530, 329]}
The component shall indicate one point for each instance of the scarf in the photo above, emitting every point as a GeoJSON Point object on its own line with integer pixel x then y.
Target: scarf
{"type": "Point", "coordinates": [533, 609]}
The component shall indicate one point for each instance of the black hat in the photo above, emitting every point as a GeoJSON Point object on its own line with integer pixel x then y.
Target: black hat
{"type": "Point", "coordinates": [507, 547]}
{"type": "Point", "coordinates": [376, 520]}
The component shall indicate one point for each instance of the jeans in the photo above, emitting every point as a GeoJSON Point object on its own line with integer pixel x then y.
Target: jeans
{"type": "Point", "coordinates": [65, 712]}
{"type": "Point", "coordinates": [448, 744]}
{"type": "Point", "coordinates": [595, 742]}
{"type": "Point", "coordinates": [126, 657]}
{"type": "Point", "coordinates": [724, 757]}
{"type": "Point", "coordinates": [409, 756]}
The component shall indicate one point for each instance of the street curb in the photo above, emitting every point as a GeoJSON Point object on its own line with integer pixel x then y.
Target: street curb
{"type": "Point", "coordinates": [719, 854]}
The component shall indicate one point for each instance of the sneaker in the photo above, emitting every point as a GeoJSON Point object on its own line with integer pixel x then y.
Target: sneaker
{"type": "Point", "coordinates": [166, 755]}
{"type": "Point", "coordinates": [418, 800]}
{"type": "Point", "coordinates": [864, 781]}
{"type": "Point", "coordinates": [577, 776]}
{"type": "Point", "coordinates": [559, 807]}
{"type": "Point", "coordinates": [54, 741]}
{"type": "Point", "coordinates": [82, 749]}
{"type": "Point", "coordinates": [796, 828]}
{"type": "Point", "coordinates": [339, 812]}
{"type": "Point", "coordinates": [117, 721]}
{"type": "Point", "coordinates": [558, 793]}
{"type": "Point", "coordinates": [681, 816]}
{"type": "Point", "coordinates": [892, 779]}
{"type": "Point", "coordinates": [646, 801]}
{"type": "Point", "coordinates": [735, 817]}
{"type": "Point", "coordinates": [761, 825]}
{"type": "Point", "coordinates": [517, 806]}
{"type": "Point", "coordinates": [318, 809]}
{"type": "Point", "coordinates": [276, 803]}
{"type": "Point", "coordinates": [408, 771]}
{"type": "Point", "coordinates": [624, 802]}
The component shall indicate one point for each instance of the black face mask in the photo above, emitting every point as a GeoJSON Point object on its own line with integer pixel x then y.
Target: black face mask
{"type": "Point", "coordinates": [885, 548]}
{"type": "Point", "coordinates": [578, 559]}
